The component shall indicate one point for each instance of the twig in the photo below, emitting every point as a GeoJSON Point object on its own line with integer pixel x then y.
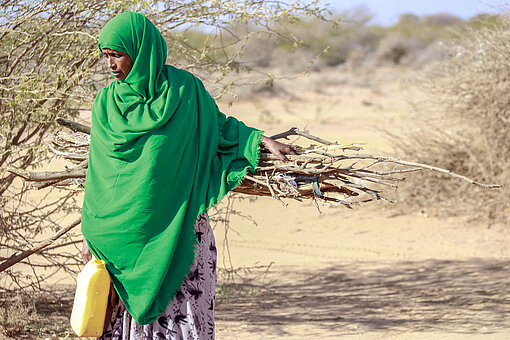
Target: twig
{"type": "Point", "coordinates": [17, 258]}
{"type": "Point", "coordinates": [428, 167]}
{"type": "Point", "coordinates": [295, 132]}
{"type": "Point", "coordinates": [314, 164]}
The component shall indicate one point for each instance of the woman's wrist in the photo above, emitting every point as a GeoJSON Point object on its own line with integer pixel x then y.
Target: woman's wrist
{"type": "Point", "coordinates": [264, 141]}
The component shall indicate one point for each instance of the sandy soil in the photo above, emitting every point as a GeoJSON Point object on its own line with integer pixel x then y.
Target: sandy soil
{"type": "Point", "coordinates": [367, 273]}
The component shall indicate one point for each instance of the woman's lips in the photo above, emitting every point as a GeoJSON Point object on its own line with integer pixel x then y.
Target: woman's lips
{"type": "Point", "coordinates": [116, 73]}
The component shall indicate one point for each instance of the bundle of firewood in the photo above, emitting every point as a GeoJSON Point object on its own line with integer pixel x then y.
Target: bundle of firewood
{"type": "Point", "coordinates": [323, 171]}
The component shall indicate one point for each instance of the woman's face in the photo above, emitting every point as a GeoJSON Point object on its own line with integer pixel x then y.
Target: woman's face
{"type": "Point", "coordinates": [118, 62]}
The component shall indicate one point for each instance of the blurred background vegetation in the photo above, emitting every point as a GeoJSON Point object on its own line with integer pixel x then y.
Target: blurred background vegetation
{"type": "Point", "coordinates": [346, 37]}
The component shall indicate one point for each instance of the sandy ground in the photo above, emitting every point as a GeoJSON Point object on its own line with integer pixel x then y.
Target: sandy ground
{"type": "Point", "coordinates": [367, 273]}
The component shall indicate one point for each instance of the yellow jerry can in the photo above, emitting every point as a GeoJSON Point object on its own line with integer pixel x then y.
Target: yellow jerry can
{"type": "Point", "coordinates": [91, 299]}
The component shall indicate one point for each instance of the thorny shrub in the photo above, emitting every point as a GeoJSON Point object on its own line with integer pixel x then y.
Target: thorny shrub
{"type": "Point", "coordinates": [465, 126]}
{"type": "Point", "coordinates": [50, 66]}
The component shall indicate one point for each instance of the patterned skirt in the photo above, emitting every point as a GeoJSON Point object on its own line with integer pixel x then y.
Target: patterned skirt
{"type": "Point", "coordinates": [190, 315]}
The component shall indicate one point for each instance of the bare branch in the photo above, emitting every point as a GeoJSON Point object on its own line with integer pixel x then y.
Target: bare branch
{"type": "Point", "coordinates": [295, 132]}
{"type": "Point", "coordinates": [48, 175]}
{"type": "Point", "coordinates": [76, 127]}
{"type": "Point", "coordinates": [17, 258]}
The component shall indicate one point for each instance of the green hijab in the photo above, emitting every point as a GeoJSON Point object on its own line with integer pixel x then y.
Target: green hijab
{"type": "Point", "coordinates": [161, 153]}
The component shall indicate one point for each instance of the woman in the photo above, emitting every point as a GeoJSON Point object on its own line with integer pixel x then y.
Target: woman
{"type": "Point", "coordinates": [161, 154]}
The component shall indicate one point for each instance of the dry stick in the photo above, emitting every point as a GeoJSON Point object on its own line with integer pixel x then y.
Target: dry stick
{"type": "Point", "coordinates": [80, 173]}
{"type": "Point", "coordinates": [49, 175]}
{"type": "Point", "coordinates": [42, 185]}
{"type": "Point", "coordinates": [68, 155]}
{"type": "Point", "coordinates": [66, 181]}
{"type": "Point", "coordinates": [425, 166]}
{"type": "Point", "coordinates": [270, 187]}
{"type": "Point", "coordinates": [295, 132]}
{"type": "Point", "coordinates": [272, 192]}
{"type": "Point", "coordinates": [255, 180]}
{"type": "Point", "coordinates": [391, 172]}
{"type": "Point", "coordinates": [17, 258]}
{"type": "Point", "coordinates": [76, 127]}
{"type": "Point", "coordinates": [262, 183]}
{"type": "Point", "coordinates": [267, 157]}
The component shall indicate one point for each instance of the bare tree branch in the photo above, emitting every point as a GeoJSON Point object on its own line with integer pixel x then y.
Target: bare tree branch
{"type": "Point", "coordinates": [48, 175]}
{"type": "Point", "coordinates": [17, 258]}
{"type": "Point", "coordinates": [76, 127]}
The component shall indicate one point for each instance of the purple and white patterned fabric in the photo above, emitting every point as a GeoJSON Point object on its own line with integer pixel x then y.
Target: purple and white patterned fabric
{"type": "Point", "coordinates": [190, 315]}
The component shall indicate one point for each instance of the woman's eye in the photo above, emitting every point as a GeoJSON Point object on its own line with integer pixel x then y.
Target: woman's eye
{"type": "Point", "coordinates": [112, 55]}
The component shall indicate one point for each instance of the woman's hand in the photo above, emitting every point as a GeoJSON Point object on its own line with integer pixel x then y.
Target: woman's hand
{"type": "Point", "coordinates": [85, 252]}
{"type": "Point", "coordinates": [278, 149]}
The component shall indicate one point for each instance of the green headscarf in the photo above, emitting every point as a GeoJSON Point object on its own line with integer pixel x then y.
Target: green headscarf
{"type": "Point", "coordinates": [161, 153]}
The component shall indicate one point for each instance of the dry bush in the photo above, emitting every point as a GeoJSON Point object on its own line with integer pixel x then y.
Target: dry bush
{"type": "Point", "coordinates": [415, 40]}
{"type": "Point", "coordinates": [431, 53]}
{"type": "Point", "coordinates": [48, 55]}
{"type": "Point", "coordinates": [347, 38]}
{"type": "Point", "coordinates": [465, 124]}
{"type": "Point", "coordinates": [442, 19]}
{"type": "Point", "coordinates": [396, 49]}
{"type": "Point", "coordinates": [50, 66]}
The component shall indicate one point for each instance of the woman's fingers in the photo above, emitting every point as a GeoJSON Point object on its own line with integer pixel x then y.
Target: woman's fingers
{"type": "Point", "coordinates": [291, 150]}
{"type": "Point", "coordinates": [284, 149]}
{"type": "Point", "coordinates": [281, 156]}
{"type": "Point", "coordinates": [287, 150]}
{"type": "Point", "coordinates": [279, 149]}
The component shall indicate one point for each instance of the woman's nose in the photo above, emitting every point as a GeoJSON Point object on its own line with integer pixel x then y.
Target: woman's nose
{"type": "Point", "coordinates": [110, 63]}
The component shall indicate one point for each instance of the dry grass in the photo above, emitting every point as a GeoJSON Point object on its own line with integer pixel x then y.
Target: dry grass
{"type": "Point", "coordinates": [14, 316]}
{"type": "Point", "coordinates": [42, 316]}
{"type": "Point", "coordinates": [465, 124]}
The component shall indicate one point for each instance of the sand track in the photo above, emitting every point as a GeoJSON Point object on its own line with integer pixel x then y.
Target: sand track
{"type": "Point", "coordinates": [365, 275]}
